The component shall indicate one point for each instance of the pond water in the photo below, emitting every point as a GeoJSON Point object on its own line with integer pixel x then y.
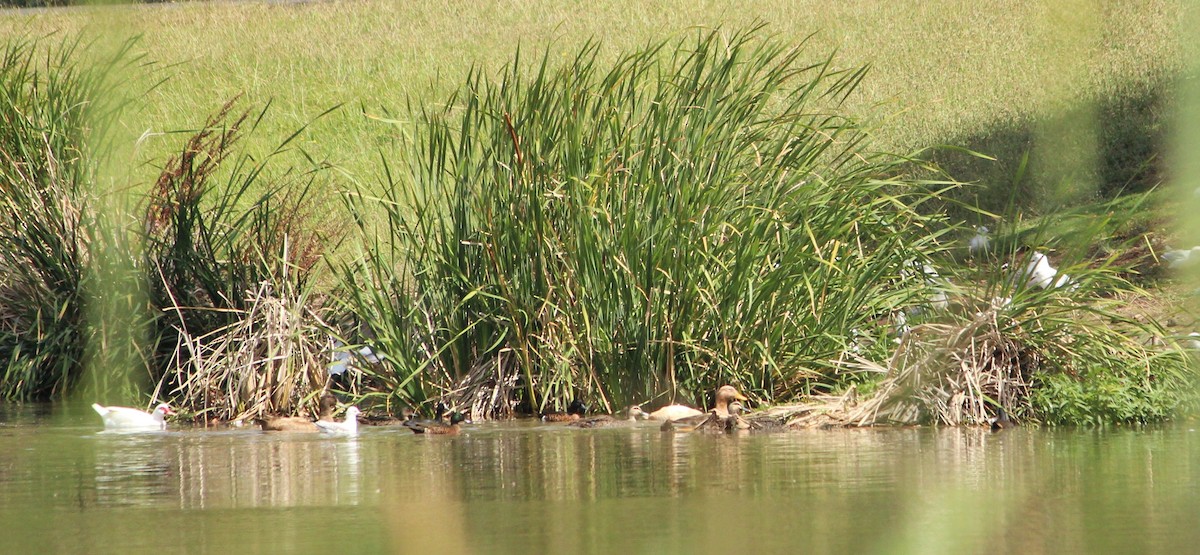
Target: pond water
{"type": "Point", "coordinates": [528, 487]}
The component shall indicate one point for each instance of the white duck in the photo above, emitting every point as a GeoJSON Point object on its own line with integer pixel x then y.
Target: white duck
{"type": "Point", "coordinates": [979, 243]}
{"type": "Point", "coordinates": [1039, 273]}
{"type": "Point", "coordinates": [127, 419]}
{"type": "Point", "coordinates": [349, 426]}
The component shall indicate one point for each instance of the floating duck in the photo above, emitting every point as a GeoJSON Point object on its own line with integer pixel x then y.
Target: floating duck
{"type": "Point", "coordinates": [726, 394]}
{"type": "Point", "coordinates": [437, 426]}
{"type": "Point", "coordinates": [575, 411]}
{"type": "Point", "coordinates": [606, 420]}
{"type": "Point", "coordinates": [300, 424]}
{"type": "Point", "coordinates": [348, 426]}
{"type": "Point", "coordinates": [674, 412]}
{"type": "Point", "coordinates": [129, 419]}
{"type": "Point", "coordinates": [288, 424]}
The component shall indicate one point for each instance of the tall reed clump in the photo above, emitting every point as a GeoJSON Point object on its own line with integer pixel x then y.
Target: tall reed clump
{"type": "Point", "coordinates": [53, 114]}
{"type": "Point", "coordinates": [690, 214]}
{"type": "Point", "coordinates": [232, 259]}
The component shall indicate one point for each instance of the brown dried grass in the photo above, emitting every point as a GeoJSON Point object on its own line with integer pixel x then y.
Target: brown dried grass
{"type": "Point", "coordinates": [268, 361]}
{"type": "Point", "coordinates": [945, 374]}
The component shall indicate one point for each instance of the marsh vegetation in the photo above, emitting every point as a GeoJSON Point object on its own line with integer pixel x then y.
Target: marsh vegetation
{"type": "Point", "coordinates": [623, 223]}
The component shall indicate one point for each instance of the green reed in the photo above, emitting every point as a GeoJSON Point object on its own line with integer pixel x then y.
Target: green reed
{"type": "Point", "coordinates": [54, 112]}
{"type": "Point", "coordinates": [693, 213]}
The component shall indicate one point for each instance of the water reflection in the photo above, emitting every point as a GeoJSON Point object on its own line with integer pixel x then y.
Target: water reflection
{"type": "Point", "coordinates": [533, 487]}
{"type": "Point", "coordinates": [133, 469]}
{"type": "Point", "coordinates": [252, 469]}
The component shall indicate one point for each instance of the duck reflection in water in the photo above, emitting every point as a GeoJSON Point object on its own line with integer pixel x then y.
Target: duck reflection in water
{"type": "Point", "coordinates": [608, 420]}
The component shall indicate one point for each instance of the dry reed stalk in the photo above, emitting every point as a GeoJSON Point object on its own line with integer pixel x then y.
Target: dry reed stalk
{"type": "Point", "coordinates": [941, 373]}
{"type": "Point", "coordinates": [489, 389]}
{"type": "Point", "coordinates": [266, 362]}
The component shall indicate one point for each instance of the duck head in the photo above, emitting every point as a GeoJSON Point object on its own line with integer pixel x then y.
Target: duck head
{"type": "Point", "coordinates": [327, 404]}
{"type": "Point", "coordinates": [725, 395]}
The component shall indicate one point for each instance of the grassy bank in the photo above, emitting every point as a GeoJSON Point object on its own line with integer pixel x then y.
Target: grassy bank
{"type": "Point", "coordinates": [999, 78]}
{"type": "Point", "coordinates": [623, 222]}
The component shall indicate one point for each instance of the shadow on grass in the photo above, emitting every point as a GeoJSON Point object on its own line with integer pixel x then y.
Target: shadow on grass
{"type": "Point", "coordinates": [1088, 152]}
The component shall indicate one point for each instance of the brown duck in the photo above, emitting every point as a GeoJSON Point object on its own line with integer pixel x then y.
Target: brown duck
{"type": "Point", "coordinates": [575, 411]}
{"type": "Point", "coordinates": [726, 394]}
{"type": "Point", "coordinates": [328, 404]}
{"type": "Point", "coordinates": [437, 426]}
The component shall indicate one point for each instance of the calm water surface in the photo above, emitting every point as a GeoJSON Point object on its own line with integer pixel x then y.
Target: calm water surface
{"type": "Point", "coordinates": [528, 487]}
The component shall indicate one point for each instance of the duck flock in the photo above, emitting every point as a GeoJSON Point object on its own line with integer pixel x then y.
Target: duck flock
{"type": "Point", "coordinates": [727, 415]}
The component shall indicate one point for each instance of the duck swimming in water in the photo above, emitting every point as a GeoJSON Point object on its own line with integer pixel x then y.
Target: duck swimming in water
{"type": "Point", "coordinates": [1001, 421]}
{"type": "Point", "coordinates": [726, 417]}
{"type": "Point", "coordinates": [438, 426]}
{"type": "Point", "coordinates": [328, 404]}
{"type": "Point", "coordinates": [127, 419]}
{"type": "Point", "coordinates": [575, 411]}
{"type": "Point", "coordinates": [726, 394]}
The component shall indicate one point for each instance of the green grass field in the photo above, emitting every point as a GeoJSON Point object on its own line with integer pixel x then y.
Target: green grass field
{"type": "Point", "coordinates": [1059, 78]}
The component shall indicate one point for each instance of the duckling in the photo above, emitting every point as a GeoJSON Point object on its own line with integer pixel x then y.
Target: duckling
{"type": "Point", "coordinates": [575, 411]}
{"type": "Point", "coordinates": [437, 426]}
{"type": "Point", "coordinates": [327, 405]}
{"type": "Point", "coordinates": [738, 420]}
{"type": "Point", "coordinates": [606, 420]}
{"type": "Point", "coordinates": [709, 422]}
